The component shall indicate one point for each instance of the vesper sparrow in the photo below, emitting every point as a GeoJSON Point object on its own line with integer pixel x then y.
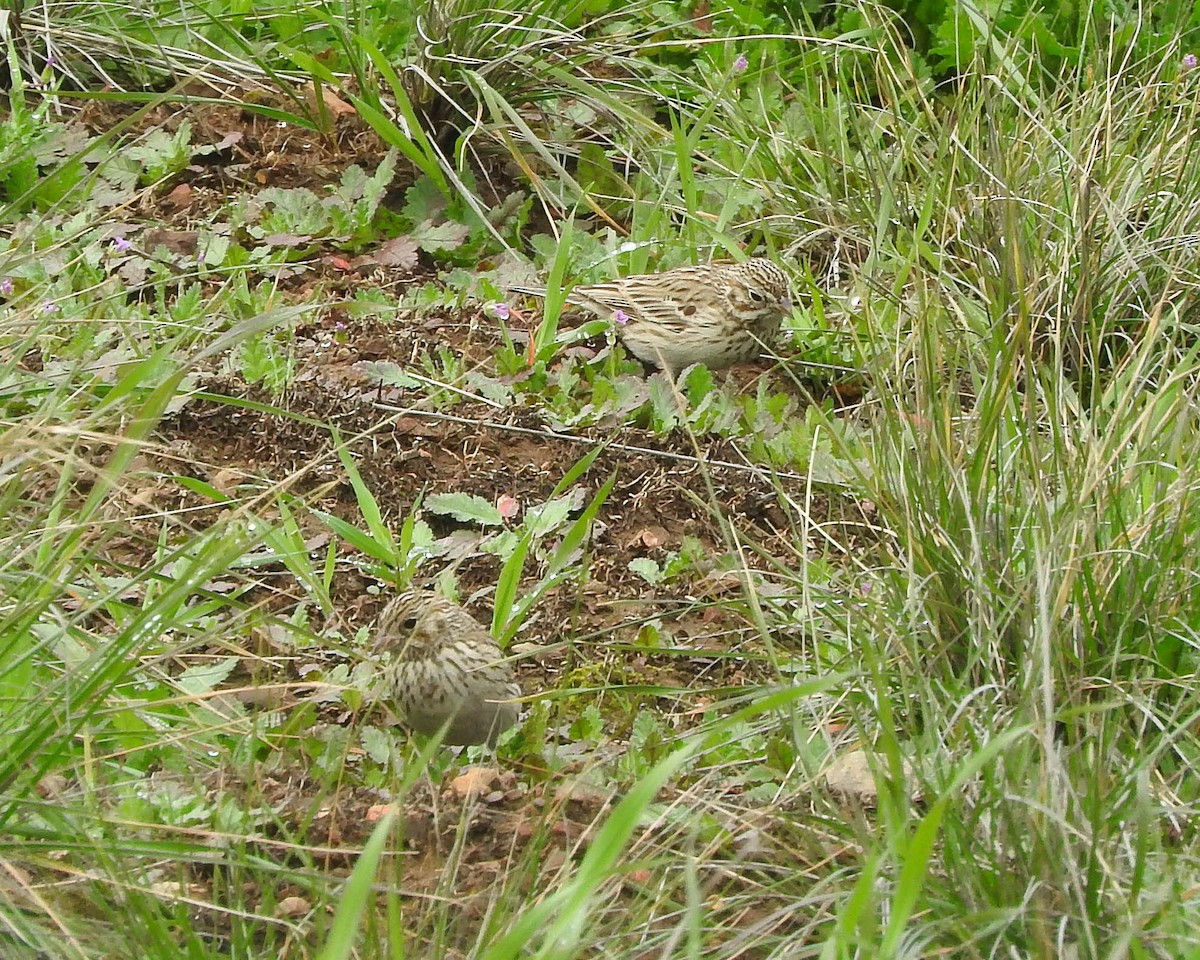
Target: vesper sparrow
{"type": "Point", "coordinates": [717, 314]}
{"type": "Point", "coordinates": [445, 667]}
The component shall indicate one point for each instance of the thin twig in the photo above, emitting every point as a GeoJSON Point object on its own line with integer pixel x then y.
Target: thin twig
{"type": "Point", "coordinates": [761, 472]}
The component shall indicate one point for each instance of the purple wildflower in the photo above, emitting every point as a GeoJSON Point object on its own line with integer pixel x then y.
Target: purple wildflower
{"type": "Point", "coordinates": [1189, 61]}
{"type": "Point", "coordinates": [6, 286]}
{"type": "Point", "coordinates": [120, 244]}
{"type": "Point", "coordinates": [741, 63]}
{"type": "Point", "coordinates": [339, 327]}
{"type": "Point", "coordinates": [621, 317]}
{"type": "Point", "coordinates": [501, 310]}
{"type": "Point", "coordinates": [49, 306]}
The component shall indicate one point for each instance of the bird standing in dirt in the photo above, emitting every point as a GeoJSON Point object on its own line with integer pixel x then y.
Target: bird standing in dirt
{"type": "Point", "coordinates": [443, 666]}
{"type": "Point", "coordinates": [718, 314]}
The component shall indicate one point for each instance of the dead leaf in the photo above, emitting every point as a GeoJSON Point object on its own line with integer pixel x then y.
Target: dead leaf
{"type": "Point", "coordinates": [378, 811]}
{"type": "Point", "coordinates": [332, 102]}
{"type": "Point", "coordinates": [174, 890]}
{"type": "Point", "coordinates": [474, 781]}
{"type": "Point", "coordinates": [917, 420]}
{"type": "Point", "coordinates": [179, 242]}
{"type": "Point", "coordinates": [230, 139]}
{"type": "Point", "coordinates": [337, 106]}
{"type": "Point", "coordinates": [180, 198]}
{"type": "Point", "coordinates": [267, 697]}
{"type": "Point", "coordinates": [847, 393]}
{"type": "Point", "coordinates": [399, 252]}
{"type": "Point", "coordinates": [507, 506]}
{"type": "Point", "coordinates": [851, 776]}
{"type": "Point", "coordinates": [226, 480]}
{"type": "Point", "coordinates": [317, 541]}
{"type": "Point", "coordinates": [292, 907]}
{"type": "Point", "coordinates": [144, 496]}
{"type": "Point", "coordinates": [286, 240]}
{"type": "Point", "coordinates": [653, 537]}
{"type": "Point", "coordinates": [583, 793]}
{"type": "Point", "coordinates": [52, 786]}
{"type": "Point", "coordinates": [432, 237]}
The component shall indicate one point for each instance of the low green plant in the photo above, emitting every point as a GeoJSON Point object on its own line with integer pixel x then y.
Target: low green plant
{"type": "Point", "coordinates": [674, 564]}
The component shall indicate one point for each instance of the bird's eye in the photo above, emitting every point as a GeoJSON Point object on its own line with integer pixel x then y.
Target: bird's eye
{"type": "Point", "coordinates": [409, 623]}
{"type": "Point", "coordinates": [756, 296]}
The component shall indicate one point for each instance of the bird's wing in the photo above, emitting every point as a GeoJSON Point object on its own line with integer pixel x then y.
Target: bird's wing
{"type": "Point", "coordinates": [647, 299]}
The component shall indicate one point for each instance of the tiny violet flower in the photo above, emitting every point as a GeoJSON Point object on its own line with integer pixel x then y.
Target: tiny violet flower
{"type": "Point", "coordinates": [49, 306]}
{"type": "Point", "coordinates": [741, 63]}
{"type": "Point", "coordinates": [339, 327]}
{"type": "Point", "coordinates": [6, 286]}
{"type": "Point", "coordinates": [501, 310]}
{"type": "Point", "coordinates": [1189, 61]}
{"type": "Point", "coordinates": [621, 317]}
{"type": "Point", "coordinates": [120, 244]}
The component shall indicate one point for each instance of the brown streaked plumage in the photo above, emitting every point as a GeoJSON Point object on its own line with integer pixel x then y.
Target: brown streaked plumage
{"type": "Point", "coordinates": [718, 314]}
{"type": "Point", "coordinates": [445, 667]}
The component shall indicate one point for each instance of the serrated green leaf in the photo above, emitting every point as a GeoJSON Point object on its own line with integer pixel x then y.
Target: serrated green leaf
{"type": "Point", "coordinates": [550, 515]}
{"type": "Point", "coordinates": [432, 237]}
{"type": "Point", "coordinates": [424, 200]}
{"type": "Point", "coordinates": [646, 568]}
{"type": "Point", "coordinates": [390, 374]}
{"type": "Point", "coordinates": [465, 507]}
{"type": "Point", "coordinates": [377, 743]}
{"type": "Point", "coordinates": [214, 247]}
{"type": "Point", "coordinates": [204, 677]}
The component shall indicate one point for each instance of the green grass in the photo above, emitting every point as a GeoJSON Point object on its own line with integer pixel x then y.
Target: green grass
{"type": "Point", "coordinates": [983, 570]}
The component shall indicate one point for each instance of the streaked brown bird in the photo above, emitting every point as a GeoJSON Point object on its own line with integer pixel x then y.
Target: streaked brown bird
{"type": "Point", "coordinates": [443, 666]}
{"type": "Point", "coordinates": [718, 314]}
